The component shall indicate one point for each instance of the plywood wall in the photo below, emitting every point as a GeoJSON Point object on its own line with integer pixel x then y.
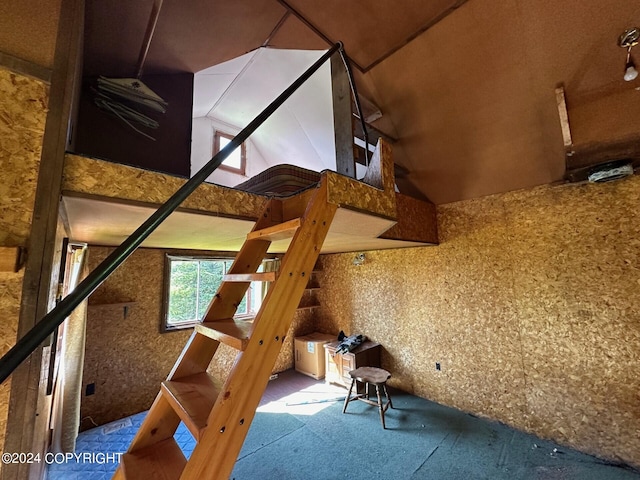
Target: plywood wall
{"type": "Point", "coordinates": [126, 356]}
{"type": "Point", "coordinates": [531, 304]}
{"type": "Point", "coordinates": [23, 103]}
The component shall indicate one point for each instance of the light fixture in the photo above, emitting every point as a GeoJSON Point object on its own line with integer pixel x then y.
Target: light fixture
{"type": "Point", "coordinates": [628, 40]}
{"type": "Point", "coordinates": [359, 259]}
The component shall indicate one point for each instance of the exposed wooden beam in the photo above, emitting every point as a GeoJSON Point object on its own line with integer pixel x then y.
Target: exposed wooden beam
{"type": "Point", "coordinates": [342, 118]}
{"type": "Point", "coordinates": [373, 133]}
{"type": "Point", "coordinates": [563, 113]}
{"type": "Point", "coordinates": [415, 34]}
{"type": "Point", "coordinates": [586, 158]}
{"type": "Point", "coordinates": [276, 28]}
{"type": "Point", "coordinates": [384, 56]}
{"type": "Point", "coordinates": [311, 26]}
{"type": "Point", "coordinates": [24, 67]}
{"type": "Point", "coordinates": [27, 422]}
{"type": "Point", "coordinates": [603, 152]}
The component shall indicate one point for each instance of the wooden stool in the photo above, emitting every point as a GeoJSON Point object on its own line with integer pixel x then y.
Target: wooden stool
{"type": "Point", "coordinates": [370, 375]}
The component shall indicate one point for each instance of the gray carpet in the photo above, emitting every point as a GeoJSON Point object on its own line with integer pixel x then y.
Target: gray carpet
{"type": "Point", "coordinates": [423, 440]}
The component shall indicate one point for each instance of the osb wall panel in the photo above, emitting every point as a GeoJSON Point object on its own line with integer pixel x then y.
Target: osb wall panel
{"type": "Point", "coordinates": [97, 177]}
{"type": "Point", "coordinates": [530, 305]}
{"type": "Point", "coordinates": [128, 357]}
{"type": "Point", "coordinates": [578, 301]}
{"type": "Point", "coordinates": [23, 111]}
{"type": "Point", "coordinates": [417, 221]}
{"type": "Point", "coordinates": [23, 103]}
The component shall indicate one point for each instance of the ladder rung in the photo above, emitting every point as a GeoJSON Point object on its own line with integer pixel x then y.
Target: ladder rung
{"type": "Point", "coordinates": [276, 232]}
{"type": "Point", "coordinates": [251, 277]}
{"type": "Point", "coordinates": [230, 331]}
{"type": "Point", "coordinates": [192, 398]}
{"type": "Point", "coordinates": [163, 461]}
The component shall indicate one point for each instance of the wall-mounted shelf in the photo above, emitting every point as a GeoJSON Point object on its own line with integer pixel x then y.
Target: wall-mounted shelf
{"type": "Point", "coordinates": [311, 287]}
{"type": "Point", "coordinates": [112, 305]}
{"type": "Point", "coordinates": [10, 259]}
{"type": "Point", "coordinates": [125, 306]}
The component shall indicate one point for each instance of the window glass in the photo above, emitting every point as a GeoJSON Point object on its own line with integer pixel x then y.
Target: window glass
{"type": "Point", "coordinates": [192, 283]}
{"type": "Point", "coordinates": [236, 161]}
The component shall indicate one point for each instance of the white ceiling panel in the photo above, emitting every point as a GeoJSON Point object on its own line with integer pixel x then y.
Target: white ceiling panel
{"type": "Point", "coordinates": [301, 131]}
{"type": "Point", "coordinates": [211, 83]}
{"type": "Point", "coordinates": [99, 221]}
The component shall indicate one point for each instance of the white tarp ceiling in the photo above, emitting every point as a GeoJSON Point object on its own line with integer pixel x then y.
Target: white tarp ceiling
{"type": "Point", "coordinates": [300, 132]}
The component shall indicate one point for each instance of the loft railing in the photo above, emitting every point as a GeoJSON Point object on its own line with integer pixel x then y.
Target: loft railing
{"type": "Point", "coordinates": [47, 325]}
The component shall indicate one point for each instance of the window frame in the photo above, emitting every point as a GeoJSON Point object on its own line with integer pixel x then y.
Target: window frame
{"type": "Point", "coordinates": [169, 257]}
{"type": "Point", "coordinates": [243, 153]}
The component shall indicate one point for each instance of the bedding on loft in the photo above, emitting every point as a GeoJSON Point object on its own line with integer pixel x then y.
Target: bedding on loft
{"type": "Point", "coordinates": [280, 180]}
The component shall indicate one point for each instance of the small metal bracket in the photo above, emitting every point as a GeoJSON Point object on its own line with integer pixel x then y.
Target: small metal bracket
{"type": "Point", "coordinates": [629, 37]}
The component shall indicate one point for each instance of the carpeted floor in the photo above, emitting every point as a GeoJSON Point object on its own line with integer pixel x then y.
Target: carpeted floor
{"type": "Point", "coordinates": [299, 432]}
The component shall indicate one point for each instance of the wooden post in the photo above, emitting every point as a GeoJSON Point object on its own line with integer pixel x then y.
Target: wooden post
{"type": "Point", "coordinates": [27, 424]}
{"type": "Point", "coordinates": [342, 118]}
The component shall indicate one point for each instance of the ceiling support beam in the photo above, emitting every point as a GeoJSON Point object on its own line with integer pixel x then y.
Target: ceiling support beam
{"type": "Point", "coordinates": [342, 118]}
{"type": "Point", "coordinates": [276, 28]}
{"type": "Point", "coordinates": [24, 67]}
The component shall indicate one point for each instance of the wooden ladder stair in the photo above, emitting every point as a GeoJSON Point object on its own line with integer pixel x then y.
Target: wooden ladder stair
{"type": "Point", "coordinates": [218, 414]}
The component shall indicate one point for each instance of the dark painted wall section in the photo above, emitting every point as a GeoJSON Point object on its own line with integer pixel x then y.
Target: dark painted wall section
{"type": "Point", "coordinates": [101, 135]}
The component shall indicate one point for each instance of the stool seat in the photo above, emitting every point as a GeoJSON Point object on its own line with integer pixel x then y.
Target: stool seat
{"type": "Point", "coordinates": [374, 376]}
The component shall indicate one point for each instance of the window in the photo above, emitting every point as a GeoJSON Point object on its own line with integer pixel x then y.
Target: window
{"type": "Point", "coordinates": [191, 283]}
{"type": "Point", "coordinates": [235, 162]}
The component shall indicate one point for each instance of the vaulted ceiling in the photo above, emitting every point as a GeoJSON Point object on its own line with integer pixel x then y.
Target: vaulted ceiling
{"type": "Point", "coordinates": [466, 87]}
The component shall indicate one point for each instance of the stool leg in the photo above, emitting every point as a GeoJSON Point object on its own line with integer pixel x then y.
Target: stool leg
{"type": "Point", "coordinates": [348, 397]}
{"type": "Point", "coordinates": [387, 394]}
{"type": "Point", "coordinates": [380, 406]}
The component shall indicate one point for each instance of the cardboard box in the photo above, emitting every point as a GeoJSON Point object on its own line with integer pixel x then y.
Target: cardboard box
{"type": "Point", "coordinates": [309, 354]}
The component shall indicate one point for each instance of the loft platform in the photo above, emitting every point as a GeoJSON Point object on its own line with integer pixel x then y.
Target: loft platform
{"type": "Point", "coordinates": [104, 202]}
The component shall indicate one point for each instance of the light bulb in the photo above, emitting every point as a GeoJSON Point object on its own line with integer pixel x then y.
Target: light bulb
{"type": "Point", "coordinates": [630, 73]}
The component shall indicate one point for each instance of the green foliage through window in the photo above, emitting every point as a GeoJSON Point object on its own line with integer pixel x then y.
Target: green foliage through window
{"type": "Point", "coordinates": [192, 284]}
